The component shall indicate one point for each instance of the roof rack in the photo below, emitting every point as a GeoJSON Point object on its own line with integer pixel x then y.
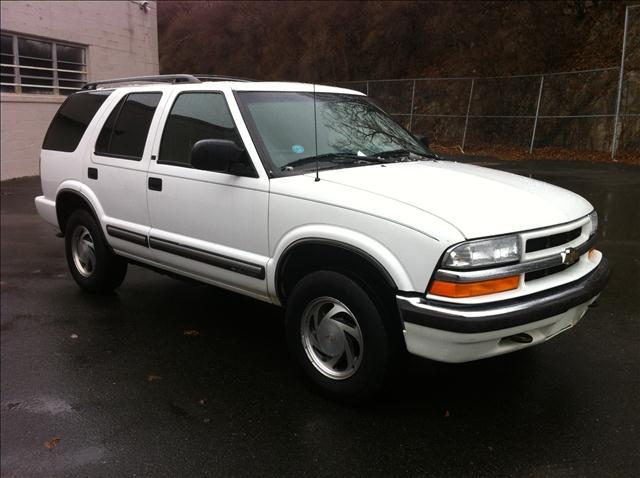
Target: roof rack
{"type": "Point", "coordinates": [144, 79]}
{"type": "Point", "coordinates": [183, 78]}
{"type": "Point", "coordinates": [221, 78]}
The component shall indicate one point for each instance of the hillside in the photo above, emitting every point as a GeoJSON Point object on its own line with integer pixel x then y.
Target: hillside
{"type": "Point", "coordinates": [332, 42]}
{"type": "Point", "coordinates": [335, 41]}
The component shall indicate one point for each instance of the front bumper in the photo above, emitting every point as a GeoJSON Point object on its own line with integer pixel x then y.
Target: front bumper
{"type": "Point", "coordinates": [460, 332]}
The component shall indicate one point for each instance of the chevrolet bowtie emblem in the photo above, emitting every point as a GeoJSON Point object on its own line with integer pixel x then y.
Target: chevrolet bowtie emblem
{"type": "Point", "coordinates": [570, 256]}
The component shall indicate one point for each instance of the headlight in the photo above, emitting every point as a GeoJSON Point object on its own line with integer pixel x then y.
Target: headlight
{"type": "Point", "coordinates": [593, 217]}
{"type": "Point", "coordinates": [482, 253]}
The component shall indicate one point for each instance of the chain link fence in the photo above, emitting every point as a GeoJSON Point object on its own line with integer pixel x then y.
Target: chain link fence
{"type": "Point", "coordinates": [595, 110]}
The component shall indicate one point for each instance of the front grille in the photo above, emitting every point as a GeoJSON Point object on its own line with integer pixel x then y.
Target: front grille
{"type": "Point", "coordinates": [546, 242]}
{"type": "Point", "coordinates": [529, 276]}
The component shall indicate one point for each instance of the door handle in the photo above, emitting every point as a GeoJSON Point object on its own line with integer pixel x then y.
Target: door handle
{"type": "Point", "coordinates": [155, 184]}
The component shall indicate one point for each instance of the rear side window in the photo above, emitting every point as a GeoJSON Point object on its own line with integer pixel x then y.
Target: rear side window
{"type": "Point", "coordinates": [124, 134]}
{"type": "Point", "coordinates": [195, 116]}
{"type": "Point", "coordinates": [71, 120]}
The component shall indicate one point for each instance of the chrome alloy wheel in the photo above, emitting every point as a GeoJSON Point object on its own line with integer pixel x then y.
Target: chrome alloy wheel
{"type": "Point", "coordinates": [332, 338]}
{"type": "Point", "coordinates": [83, 251]}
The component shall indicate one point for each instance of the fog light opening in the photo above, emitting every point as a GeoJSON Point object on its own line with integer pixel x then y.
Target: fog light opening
{"type": "Point", "coordinates": [519, 338]}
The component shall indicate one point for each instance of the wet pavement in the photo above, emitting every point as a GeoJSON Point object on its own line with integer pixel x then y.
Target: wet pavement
{"type": "Point", "coordinates": [169, 378]}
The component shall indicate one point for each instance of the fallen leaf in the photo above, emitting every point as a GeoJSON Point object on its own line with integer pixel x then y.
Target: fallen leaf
{"type": "Point", "coordinates": [191, 332]}
{"type": "Point", "coordinates": [153, 378]}
{"type": "Point", "coordinates": [52, 443]}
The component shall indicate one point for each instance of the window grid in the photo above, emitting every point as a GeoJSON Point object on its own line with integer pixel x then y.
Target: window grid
{"type": "Point", "coordinates": [18, 77]}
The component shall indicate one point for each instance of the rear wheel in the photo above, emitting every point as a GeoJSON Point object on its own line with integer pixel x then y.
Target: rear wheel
{"type": "Point", "coordinates": [93, 266]}
{"type": "Point", "coordinates": [336, 333]}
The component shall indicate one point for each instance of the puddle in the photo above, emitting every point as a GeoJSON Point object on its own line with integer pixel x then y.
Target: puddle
{"type": "Point", "coordinates": [40, 405]}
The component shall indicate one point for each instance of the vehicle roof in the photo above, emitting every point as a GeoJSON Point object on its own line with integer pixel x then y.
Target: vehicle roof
{"type": "Point", "coordinates": [233, 86]}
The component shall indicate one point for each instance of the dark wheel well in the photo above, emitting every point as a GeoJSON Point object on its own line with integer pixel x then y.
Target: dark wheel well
{"type": "Point", "coordinates": [66, 203]}
{"type": "Point", "coordinates": [305, 257]}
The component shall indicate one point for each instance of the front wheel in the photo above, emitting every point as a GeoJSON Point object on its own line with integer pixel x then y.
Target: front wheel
{"type": "Point", "coordinates": [337, 335]}
{"type": "Point", "coordinates": [93, 266]}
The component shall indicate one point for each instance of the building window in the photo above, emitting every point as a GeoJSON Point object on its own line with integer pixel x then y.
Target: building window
{"type": "Point", "coordinates": [31, 65]}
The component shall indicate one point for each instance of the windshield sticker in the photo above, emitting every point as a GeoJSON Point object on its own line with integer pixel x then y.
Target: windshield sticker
{"type": "Point", "coordinates": [297, 148]}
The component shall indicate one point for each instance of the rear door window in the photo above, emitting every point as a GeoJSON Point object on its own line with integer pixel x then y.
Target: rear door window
{"type": "Point", "coordinates": [72, 119]}
{"type": "Point", "coordinates": [124, 134]}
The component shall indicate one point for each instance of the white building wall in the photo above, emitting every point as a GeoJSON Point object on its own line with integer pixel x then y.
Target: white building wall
{"type": "Point", "coordinates": [121, 40]}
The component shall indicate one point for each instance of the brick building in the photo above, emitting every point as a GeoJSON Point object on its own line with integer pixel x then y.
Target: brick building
{"type": "Point", "coordinates": [49, 49]}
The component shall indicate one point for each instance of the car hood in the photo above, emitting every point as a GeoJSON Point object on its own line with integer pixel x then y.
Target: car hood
{"type": "Point", "coordinates": [477, 201]}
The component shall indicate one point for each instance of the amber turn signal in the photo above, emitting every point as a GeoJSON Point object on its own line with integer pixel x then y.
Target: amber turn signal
{"type": "Point", "coordinates": [471, 289]}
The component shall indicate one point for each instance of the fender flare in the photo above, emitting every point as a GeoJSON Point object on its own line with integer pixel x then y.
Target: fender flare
{"type": "Point", "coordinates": [374, 252]}
{"type": "Point", "coordinates": [84, 193]}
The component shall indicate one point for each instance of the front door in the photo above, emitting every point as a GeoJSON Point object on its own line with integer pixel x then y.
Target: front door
{"type": "Point", "coordinates": [208, 225]}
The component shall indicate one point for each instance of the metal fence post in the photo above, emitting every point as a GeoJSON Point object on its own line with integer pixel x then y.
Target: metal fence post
{"type": "Point", "coordinates": [535, 122]}
{"type": "Point", "coordinates": [466, 121]}
{"type": "Point", "coordinates": [614, 140]}
{"type": "Point", "coordinates": [413, 95]}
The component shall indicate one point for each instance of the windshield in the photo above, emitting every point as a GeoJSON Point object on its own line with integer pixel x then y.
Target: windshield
{"type": "Point", "coordinates": [348, 126]}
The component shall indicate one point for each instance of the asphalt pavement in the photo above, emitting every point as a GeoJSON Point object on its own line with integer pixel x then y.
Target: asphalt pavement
{"type": "Point", "coordinates": [171, 378]}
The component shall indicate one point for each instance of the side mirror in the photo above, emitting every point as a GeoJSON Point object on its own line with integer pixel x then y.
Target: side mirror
{"type": "Point", "coordinates": [215, 154]}
{"type": "Point", "coordinates": [423, 139]}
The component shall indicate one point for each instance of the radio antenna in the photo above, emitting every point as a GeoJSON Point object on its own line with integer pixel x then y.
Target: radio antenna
{"type": "Point", "coordinates": [315, 131]}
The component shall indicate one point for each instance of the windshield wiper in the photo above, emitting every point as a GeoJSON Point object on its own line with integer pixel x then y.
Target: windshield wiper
{"type": "Point", "coordinates": [337, 158]}
{"type": "Point", "coordinates": [406, 153]}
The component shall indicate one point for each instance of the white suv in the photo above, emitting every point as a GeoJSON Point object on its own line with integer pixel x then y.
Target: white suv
{"type": "Point", "coordinates": [312, 198]}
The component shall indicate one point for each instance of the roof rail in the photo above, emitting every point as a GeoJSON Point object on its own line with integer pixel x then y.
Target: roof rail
{"type": "Point", "coordinates": [143, 79]}
{"type": "Point", "coordinates": [182, 78]}
{"type": "Point", "coordinates": [221, 78]}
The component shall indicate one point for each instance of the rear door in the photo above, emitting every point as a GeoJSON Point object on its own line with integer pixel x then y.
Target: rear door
{"type": "Point", "coordinates": [209, 225]}
{"type": "Point", "coordinates": [118, 172]}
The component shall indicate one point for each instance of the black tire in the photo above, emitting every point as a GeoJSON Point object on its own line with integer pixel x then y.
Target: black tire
{"type": "Point", "coordinates": [375, 355]}
{"type": "Point", "coordinates": [107, 271]}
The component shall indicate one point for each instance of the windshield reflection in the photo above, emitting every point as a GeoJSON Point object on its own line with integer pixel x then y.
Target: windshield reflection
{"type": "Point", "coordinates": [358, 124]}
{"type": "Point", "coordinates": [346, 124]}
